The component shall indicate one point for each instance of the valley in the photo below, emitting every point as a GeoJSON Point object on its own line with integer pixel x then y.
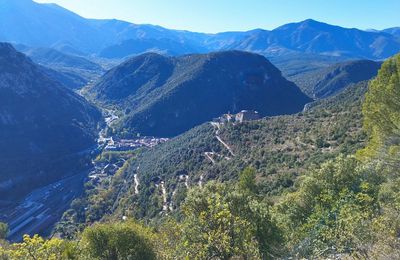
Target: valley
{"type": "Point", "coordinates": [121, 152]}
{"type": "Point", "coordinates": [40, 210]}
{"type": "Point", "coordinates": [121, 140]}
{"type": "Point", "coordinates": [154, 181]}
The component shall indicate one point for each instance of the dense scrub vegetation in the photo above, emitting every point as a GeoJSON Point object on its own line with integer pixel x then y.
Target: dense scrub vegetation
{"type": "Point", "coordinates": [279, 148]}
{"type": "Point", "coordinates": [275, 147]}
{"type": "Point", "coordinates": [218, 221]}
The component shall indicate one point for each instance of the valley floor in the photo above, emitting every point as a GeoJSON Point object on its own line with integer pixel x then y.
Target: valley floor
{"type": "Point", "coordinates": [42, 208]}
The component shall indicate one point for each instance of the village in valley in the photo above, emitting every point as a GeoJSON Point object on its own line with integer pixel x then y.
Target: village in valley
{"type": "Point", "coordinates": [116, 144]}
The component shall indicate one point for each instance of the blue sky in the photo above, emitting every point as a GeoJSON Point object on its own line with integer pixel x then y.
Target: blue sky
{"type": "Point", "coordinates": [228, 15]}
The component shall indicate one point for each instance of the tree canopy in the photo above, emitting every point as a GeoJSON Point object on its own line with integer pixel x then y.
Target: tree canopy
{"type": "Point", "coordinates": [381, 111]}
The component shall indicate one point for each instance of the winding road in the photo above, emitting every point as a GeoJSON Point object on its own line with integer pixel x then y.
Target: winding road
{"type": "Point", "coordinates": [209, 155]}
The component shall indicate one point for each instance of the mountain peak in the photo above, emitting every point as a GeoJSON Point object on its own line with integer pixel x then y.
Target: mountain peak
{"type": "Point", "coordinates": [307, 24]}
{"type": "Point", "coordinates": [148, 58]}
{"type": "Point", "coordinates": [6, 47]}
{"type": "Point", "coordinates": [10, 59]}
{"type": "Point", "coordinates": [315, 24]}
{"type": "Point", "coordinates": [311, 21]}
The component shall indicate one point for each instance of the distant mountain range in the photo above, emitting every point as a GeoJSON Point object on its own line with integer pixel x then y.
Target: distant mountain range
{"type": "Point", "coordinates": [71, 70]}
{"type": "Point", "coordinates": [166, 96]}
{"type": "Point", "coordinates": [394, 31]}
{"type": "Point", "coordinates": [44, 127]}
{"type": "Point", "coordinates": [54, 58]}
{"type": "Point", "coordinates": [23, 22]}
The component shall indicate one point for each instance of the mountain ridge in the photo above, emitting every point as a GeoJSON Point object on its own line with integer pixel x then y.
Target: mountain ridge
{"type": "Point", "coordinates": [93, 36]}
{"type": "Point", "coordinates": [328, 81]}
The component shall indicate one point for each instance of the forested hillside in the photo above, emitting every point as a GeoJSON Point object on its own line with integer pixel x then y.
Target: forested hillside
{"type": "Point", "coordinates": [166, 96]}
{"type": "Point", "coordinates": [328, 81]}
{"type": "Point", "coordinates": [73, 71]}
{"type": "Point", "coordinates": [45, 128]}
{"type": "Point", "coordinates": [280, 149]}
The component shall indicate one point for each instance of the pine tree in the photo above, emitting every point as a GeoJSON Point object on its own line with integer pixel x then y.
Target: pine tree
{"type": "Point", "coordinates": [381, 112]}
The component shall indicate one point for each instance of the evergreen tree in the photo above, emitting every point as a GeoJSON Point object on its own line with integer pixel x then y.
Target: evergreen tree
{"type": "Point", "coordinates": [381, 112]}
{"type": "Point", "coordinates": [3, 230]}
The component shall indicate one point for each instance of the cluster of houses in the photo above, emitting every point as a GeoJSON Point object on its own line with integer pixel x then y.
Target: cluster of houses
{"type": "Point", "coordinates": [114, 144]}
